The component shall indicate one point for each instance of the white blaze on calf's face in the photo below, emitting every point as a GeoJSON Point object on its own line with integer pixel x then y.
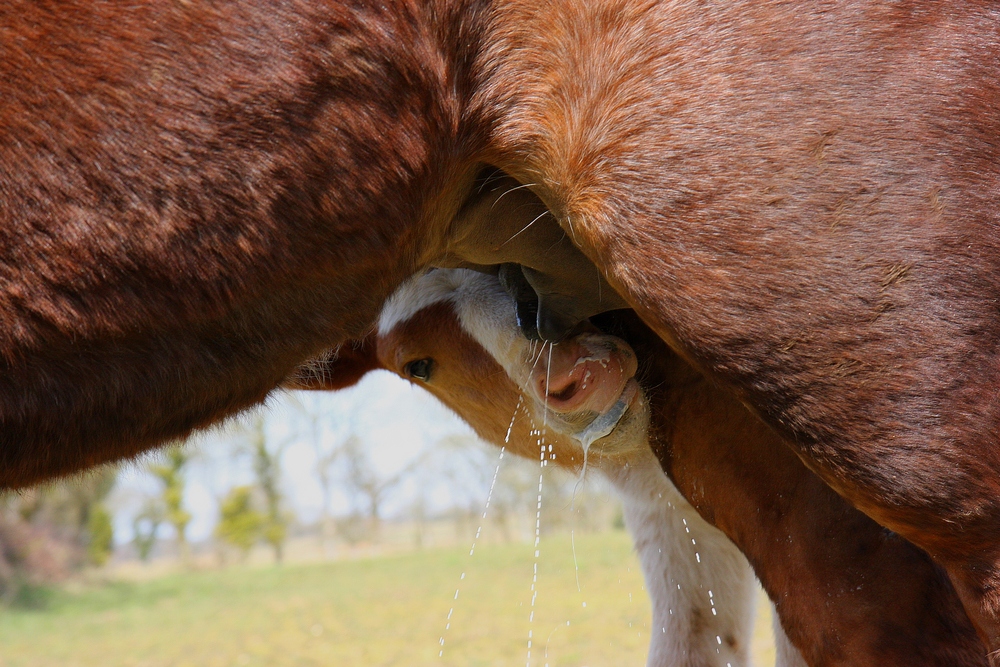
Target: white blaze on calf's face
{"type": "Point", "coordinates": [591, 375]}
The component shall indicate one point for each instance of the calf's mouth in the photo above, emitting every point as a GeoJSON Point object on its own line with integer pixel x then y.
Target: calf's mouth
{"type": "Point", "coordinates": [589, 381]}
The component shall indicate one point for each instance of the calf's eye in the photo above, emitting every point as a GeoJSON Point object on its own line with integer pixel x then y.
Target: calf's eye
{"type": "Point", "coordinates": [419, 369]}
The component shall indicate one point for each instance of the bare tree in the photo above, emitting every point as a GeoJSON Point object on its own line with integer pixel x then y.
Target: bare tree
{"type": "Point", "coordinates": [325, 462]}
{"type": "Point", "coordinates": [267, 468]}
{"type": "Point", "coordinates": [326, 457]}
{"type": "Point", "coordinates": [171, 472]}
{"type": "Point", "coordinates": [222, 467]}
{"type": "Point", "coordinates": [265, 454]}
{"type": "Point", "coordinates": [145, 526]}
{"type": "Point", "coordinates": [471, 468]}
{"type": "Point", "coordinates": [367, 488]}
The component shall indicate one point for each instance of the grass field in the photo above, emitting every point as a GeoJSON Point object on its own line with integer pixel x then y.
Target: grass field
{"type": "Point", "coordinates": [380, 611]}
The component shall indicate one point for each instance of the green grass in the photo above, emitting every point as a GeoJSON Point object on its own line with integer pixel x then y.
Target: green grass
{"type": "Point", "coordinates": [382, 611]}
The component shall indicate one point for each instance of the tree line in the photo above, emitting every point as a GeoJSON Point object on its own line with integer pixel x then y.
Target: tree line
{"type": "Point", "coordinates": [49, 532]}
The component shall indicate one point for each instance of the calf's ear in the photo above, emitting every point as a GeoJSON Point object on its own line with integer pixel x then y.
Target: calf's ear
{"type": "Point", "coordinates": [339, 369]}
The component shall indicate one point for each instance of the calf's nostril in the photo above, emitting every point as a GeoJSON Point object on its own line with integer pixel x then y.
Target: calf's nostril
{"type": "Point", "coordinates": [565, 393]}
{"type": "Point", "coordinates": [558, 388]}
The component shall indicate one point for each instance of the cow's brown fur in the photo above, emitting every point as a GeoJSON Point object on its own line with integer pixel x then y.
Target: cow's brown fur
{"type": "Point", "coordinates": [195, 198]}
{"type": "Point", "coordinates": [801, 198]}
{"type": "Point", "coordinates": [848, 591]}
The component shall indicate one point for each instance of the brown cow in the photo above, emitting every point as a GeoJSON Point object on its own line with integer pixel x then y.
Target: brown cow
{"type": "Point", "coordinates": [847, 591]}
{"type": "Point", "coordinates": [801, 198]}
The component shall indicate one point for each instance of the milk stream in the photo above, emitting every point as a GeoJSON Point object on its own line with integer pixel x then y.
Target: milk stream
{"type": "Point", "coordinates": [540, 434]}
{"type": "Point", "coordinates": [479, 529]}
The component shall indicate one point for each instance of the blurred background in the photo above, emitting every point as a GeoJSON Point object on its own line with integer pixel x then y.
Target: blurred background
{"type": "Point", "coordinates": [338, 528]}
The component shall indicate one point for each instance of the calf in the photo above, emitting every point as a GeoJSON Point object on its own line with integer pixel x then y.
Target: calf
{"type": "Point", "coordinates": [700, 585]}
{"type": "Point", "coordinates": [847, 592]}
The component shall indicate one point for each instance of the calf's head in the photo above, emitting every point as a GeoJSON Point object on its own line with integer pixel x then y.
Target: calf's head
{"type": "Point", "coordinates": [455, 333]}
